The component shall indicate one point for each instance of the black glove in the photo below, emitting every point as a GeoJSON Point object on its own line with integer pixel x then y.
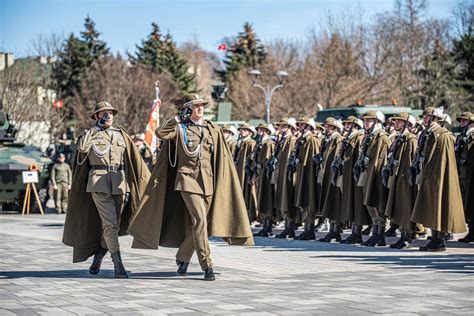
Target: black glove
{"type": "Point", "coordinates": [101, 122]}
{"type": "Point", "coordinates": [185, 113]}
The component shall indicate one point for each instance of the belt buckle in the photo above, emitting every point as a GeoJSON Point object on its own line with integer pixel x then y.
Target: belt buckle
{"type": "Point", "coordinates": [111, 168]}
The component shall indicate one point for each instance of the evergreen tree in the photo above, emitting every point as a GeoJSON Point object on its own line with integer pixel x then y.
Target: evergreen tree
{"type": "Point", "coordinates": [68, 70]}
{"type": "Point", "coordinates": [177, 66]}
{"type": "Point", "coordinates": [435, 85]}
{"type": "Point", "coordinates": [247, 51]}
{"type": "Point", "coordinates": [95, 48]}
{"type": "Point", "coordinates": [151, 52]}
{"type": "Point", "coordinates": [463, 51]}
{"type": "Point", "coordinates": [161, 55]}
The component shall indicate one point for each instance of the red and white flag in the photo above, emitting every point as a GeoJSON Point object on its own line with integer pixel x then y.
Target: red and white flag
{"type": "Point", "coordinates": [153, 121]}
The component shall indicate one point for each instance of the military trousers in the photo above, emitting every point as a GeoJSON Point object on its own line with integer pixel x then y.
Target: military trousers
{"type": "Point", "coordinates": [377, 217]}
{"type": "Point", "coordinates": [61, 196]}
{"type": "Point", "coordinates": [110, 208]}
{"type": "Point", "coordinates": [196, 234]}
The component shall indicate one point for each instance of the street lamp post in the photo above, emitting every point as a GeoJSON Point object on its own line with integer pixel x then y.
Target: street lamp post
{"type": "Point", "coordinates": [268, 91]}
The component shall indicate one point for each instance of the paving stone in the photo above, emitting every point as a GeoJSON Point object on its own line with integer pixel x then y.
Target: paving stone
{"type": "Point", "coordinates": [276, 277]}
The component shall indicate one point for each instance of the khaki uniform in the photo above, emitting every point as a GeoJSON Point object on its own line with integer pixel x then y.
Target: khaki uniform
{"type": "Point", "coordinates": [195, 181]}
{"type": "Point", "coordinates": [107, 184]}
{"type": "Point", "coordinates": [61, 176]}
{"type": "Point", "coordinates": [232, 143]}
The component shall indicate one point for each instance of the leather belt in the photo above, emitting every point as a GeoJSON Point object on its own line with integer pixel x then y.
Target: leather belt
{"type": "Point", "coordinates": [110, 168]}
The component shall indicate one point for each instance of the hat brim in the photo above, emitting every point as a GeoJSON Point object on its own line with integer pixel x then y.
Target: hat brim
{"type": "Point", "coordinates": [115, 111]}
{"type": "Point", "coordinates": [399, 118]}
{"type": "Point", "coordinates": [368, 117]}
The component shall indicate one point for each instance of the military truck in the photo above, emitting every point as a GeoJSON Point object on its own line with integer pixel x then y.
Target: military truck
{"type": "Point", "coordinates": [14, 159]}
{"type": "Point", "coordinates": [358, 110]}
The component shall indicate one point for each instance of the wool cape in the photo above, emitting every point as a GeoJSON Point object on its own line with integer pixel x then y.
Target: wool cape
{"type": "Point", "coordinates": [306, 194]}
{"type": "Point", "coordinates": [375, 194]}
{"type": "Point", "coordinates": [265, 189]}
{"type": "Point", "coordinates": [401, 196]}
{"type": "Point", "coordinates": [353, 209]}
{"type": "Point", "coordinates": [438, 204]}
{"type": "Point", "coordinates": [331, 195]}
{"type": "Point", "coordinates": [162, 218]}
{"type": "Point", "coordinates": [83, 226]}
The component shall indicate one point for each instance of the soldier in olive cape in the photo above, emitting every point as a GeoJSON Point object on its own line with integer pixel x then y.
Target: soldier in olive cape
{"type": "Point", "coordinates": [438, 204]}
{"type": "Point", "coordinates": [353, 209]}
{"type": "Point", "coordinates": [193, 192]}
{"type": "Point", "coordinates": [306, 198]}
{"type": "Point", "coordinates": [368, 173]}
{"type": "Point", "coordinates": [265, 189]}
{"type": "Point", "coordinates": [320, 133]}
{"type": "Point", "coordinates": [243, 151]}
{"type": "Point", "coordinates": [61, 177]}
{"type": "Point", "coordinates": [229, 133]}
{"type": "Point", "coordinates": [396, 173]}
{"type": "Point", "coordinates": [108, 178]}
{"type": "Point", "coordinates": [465, 161]}
{"type": "Point", "coordinates": [284, 191]}
{"type": "Point", "coordinates": [331, 195]}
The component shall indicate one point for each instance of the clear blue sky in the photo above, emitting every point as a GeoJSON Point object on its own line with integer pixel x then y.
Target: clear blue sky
{"type": "Point", "coordinates": [124, 23]}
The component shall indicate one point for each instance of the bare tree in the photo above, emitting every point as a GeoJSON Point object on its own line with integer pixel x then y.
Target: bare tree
{"type": "Point", "coordinates": [131, 90]}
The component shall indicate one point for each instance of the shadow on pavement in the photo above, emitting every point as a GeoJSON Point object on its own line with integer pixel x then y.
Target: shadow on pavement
{"type": "Point", "coordinates": [453, 263]}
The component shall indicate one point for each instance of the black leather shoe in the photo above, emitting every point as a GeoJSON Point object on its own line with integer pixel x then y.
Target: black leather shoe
{"type": "Point", "coordinates": [439, 246]}
{"type": "Point", "coordinates": [468, 238]}
{"type": "Point", "coordinates": [306, 235]}
{"type": "Point", "coordinates": [367, 230]}
{"type": "Point", "coordinates": [182, 267]}
{"type": "Point", "coordinates": [120, 272]}
{"type": "Point", "coordinates": [352, 239]}
{"type": "Point", "coordinates": [392, 231]}
{"type": "Point", "coordinates": [371, 242]}
{"type": "Point", "coordinates": [330, 236]}
{"type": "Point", "coordinates": [209, 275]}
{"type": "Point", "coordinates": [431, 244]}
{"type": "Point", "coordinates": [381, 241]}
{"type": "Point", "coordinates": [400, 244]}
{"type": "Point", "coordinates": [97, 261]}
{"type": "Point", "coordinates": [283, 234]}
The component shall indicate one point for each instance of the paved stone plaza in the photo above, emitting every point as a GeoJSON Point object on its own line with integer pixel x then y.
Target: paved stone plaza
{"type": "Point", "coordinates": [274, 277]}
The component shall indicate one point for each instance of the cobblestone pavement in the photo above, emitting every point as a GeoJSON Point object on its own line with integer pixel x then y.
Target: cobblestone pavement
{"type": "Point", "coordinates": [274, 277]}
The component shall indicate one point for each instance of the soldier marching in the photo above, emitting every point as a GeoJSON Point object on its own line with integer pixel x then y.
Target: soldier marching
{"type": "Point", "coordinates": [368, 172]}
{"type": "Point", "coordinates": [353, 172]}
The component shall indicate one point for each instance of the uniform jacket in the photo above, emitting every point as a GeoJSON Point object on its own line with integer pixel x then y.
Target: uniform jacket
{"type": "Point", "coordinates": [438, 204]}
{"type": "Point", "coordinates": [83, 227]}
{"type": "Point", "coordinates": [104, 148]}
{"type": "Point", "coordinates": [61, 173]}
{"type": "Point", "coordinates": [163, 218]}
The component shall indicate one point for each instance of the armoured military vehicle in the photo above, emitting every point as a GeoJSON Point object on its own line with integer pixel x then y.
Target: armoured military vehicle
{"type": "Point", "coordinates": [359, 109]}
{"type": "Point", "coordinates": [14, 159]}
